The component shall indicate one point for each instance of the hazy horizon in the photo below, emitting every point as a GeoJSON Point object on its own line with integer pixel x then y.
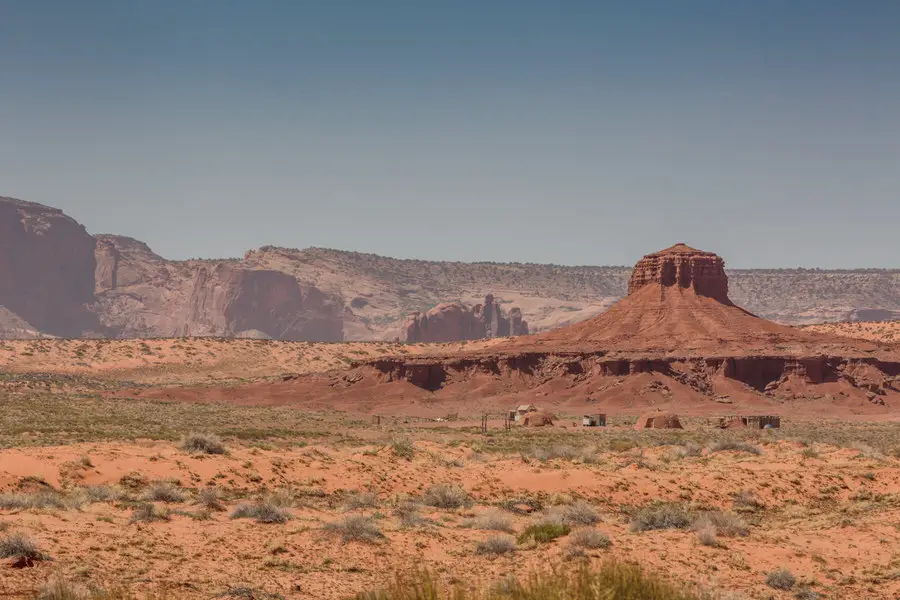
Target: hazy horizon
{"type": "Point", "coordinates": [584, 134]}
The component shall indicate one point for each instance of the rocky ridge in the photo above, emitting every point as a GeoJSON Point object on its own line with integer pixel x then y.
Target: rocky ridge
{"type": "Point", "coordinates": [454, 321]}
{"type": "Point", "coordinates": [58, 280]}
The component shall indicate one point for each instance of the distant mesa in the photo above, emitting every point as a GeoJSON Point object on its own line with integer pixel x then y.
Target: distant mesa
{"type": "Point", "coordinates": [456, 322]}
{"type": "Point", "coordinates": [684, 267]}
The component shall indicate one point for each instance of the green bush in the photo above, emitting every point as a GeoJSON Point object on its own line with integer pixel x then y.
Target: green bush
{"type": "Point", "coordinates": [543, 532]}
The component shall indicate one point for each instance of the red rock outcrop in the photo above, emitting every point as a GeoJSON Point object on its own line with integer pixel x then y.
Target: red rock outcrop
{"type": "Point", "coordinates": [676, 342]}
{"type": "Point", "coordinates": [454, 322]}
{"type": "Point", "coordinates": [46, 269]}
{"type": "Point", "coordinates": [684, 267]}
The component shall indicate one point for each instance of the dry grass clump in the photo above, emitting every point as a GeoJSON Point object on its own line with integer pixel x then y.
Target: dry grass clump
{"type": "Point", "coordinates": [361, 500]}
{"type": "Point", "coordinates": [577, 513]}
{"type": "Point", "coordinates": [19, 546]}
{"type": "Point", "coordinates": [149, 513]}
{"type": "Point", "coordinates": [612, 580]}
{"type": "Point", "coordinates": [408, 513]}
{"type": "Point", "coordinates": [443, 495]}
{"type": "Point", "coordinates": [261, 512]}
{"type": "Point", "coordinates": [202, 443]}
{"type": "Point", "coordinates": [557, 451]}
{"type": "Point", "coordinates": [164, 491]}
{"type": "Point", "coordinates": [403, 448]}
{"type": "Point", "coordinates": [707, 536]}
{"type": "Point", "coordinates": [496, 545]}
{"type": "Point", "coordinates": [588, 538]}
{"type": "Point", "coordinates": [781, 579]}
{"type": "Point", "coordinates": [721, 523]}
{"type": "Point", "coordinates": [209, 499]}
{"type": "Point", "coordinates": [734, 445]}
{"type": "Point", "coordinates": [491, 521]}
{"type": "Point", "coordinates": [100, 493]}
{"type": "Point", "coordinates": [661, 516]}
{"type": "Point", "coordinates": [686, 450]}
{"type": "Point", "coordinates": [33, 501]}
{"type": "Point", "coordinates": [746, 501]}
{"type": "Point", "coordinates": [356, 528]}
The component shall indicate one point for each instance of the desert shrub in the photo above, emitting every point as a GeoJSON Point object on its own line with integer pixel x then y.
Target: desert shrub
{"type": "Point", "coordinates": [408, 512]}
{"type": "Point", "coordinates": [687, 449]}
{"type": "Point", "coordinates": [163, 491]}
{"type": "Point", "coordinates": [209, 499]}
{"type": "Point", "coordinates": [809, 453]}
{"type": "Point", "coordinates": [202, 443]}
{"type": "Point", "coordinates": [661, 516]}
{"type": "Point", "coordinates": [735, 445]}
{"type": "Point", "coordinates": [247, 593]}
{"type": "Point", "coordinates": [707, 535]}
{"type": "Point", "coordinates": [543, 532]}
{"type": "Point", "coordinates": [577, 513]}
{"type": "Point", "coordinates": [32, 501]}
{"type": "Point", "coordinates": [560, 451]}
{"type": "Point", "coordinates": [804, 592]}
{"type": "Point", "coordinates": [261, 512]}
{"type": "Point", "coordinates": [403, 448]}
{"type": "Point", "coordinates": [588, 538]}
{"type": "Point", "coordinates": [57, 588]}
{"type": "Point", "coordinates": [148, 513]}
{"type": "Point", "coordinates": [283, 497]}
{"type": "Point", "coordinates": [722, 523]}
{"type": "Point", "coordinates": [100, 493]}
{"type": "Point", "coordinates": [498, 544]}
{"type": "Point", "coordinates": [20, 546]}
{"type": "Point", "coordinates": [356, 528]}
{"type": "Point", "coordinates": [781, 579]}
{"type": "Point", "coordinates": [611, 580]}
{"type": "Point", "coordinates": [491, 521]}
{"type": "Point", "coordinates": [746, 501]}
{"type": "Point", "coordinates": [360, 500]}
{"type": "Point", "coordinates": [443, 495]}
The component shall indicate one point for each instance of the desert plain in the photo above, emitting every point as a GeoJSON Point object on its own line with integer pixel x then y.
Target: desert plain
{"type": "Point", "coordinates": [240, 468]}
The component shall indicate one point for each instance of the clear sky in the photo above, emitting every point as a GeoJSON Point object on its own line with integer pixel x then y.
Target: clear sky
{"type": "Point", "coordinates": [511, 130]}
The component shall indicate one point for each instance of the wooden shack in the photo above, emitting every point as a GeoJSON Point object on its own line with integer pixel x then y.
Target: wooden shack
{"type": "Point", "coordinates": [594, 420]}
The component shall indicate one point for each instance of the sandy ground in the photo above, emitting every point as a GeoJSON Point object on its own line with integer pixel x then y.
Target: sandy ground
{"type": "Point", "coordinates": [880, 331]}
{"type": "Point", "coordinates": [828, 514]}
{"type": "Point", "coordinates": [197, 360]}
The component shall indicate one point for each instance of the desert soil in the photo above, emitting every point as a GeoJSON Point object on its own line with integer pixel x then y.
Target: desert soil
{"type": "Point", "coordinates": [821, 499]}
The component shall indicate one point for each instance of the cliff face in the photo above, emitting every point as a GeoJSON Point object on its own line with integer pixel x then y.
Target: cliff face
{"type": "Point", "coordinates": [56, 279]}
{"type": "Point", "coordinates": [231, 301]}
{"type": "Point", "coordinates": [46, 269]}
{"type": "Point", "coordinates": [454, 321]}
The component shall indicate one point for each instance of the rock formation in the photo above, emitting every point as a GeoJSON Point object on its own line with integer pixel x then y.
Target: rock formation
{"type": "Point", "coordinates": [676, 342]}
{"type": "Point", "coordinates": [454, 322]}
{"type": "Point", "coordinates": [46, 269]}
{"type": "Point", "coordinates": [57, 280]}
{"type": "Point", "coordinates": [684, 267]}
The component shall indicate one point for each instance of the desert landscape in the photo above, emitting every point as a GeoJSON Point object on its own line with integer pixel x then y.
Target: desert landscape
{"type": "Point", "coordinates": [250, 468]}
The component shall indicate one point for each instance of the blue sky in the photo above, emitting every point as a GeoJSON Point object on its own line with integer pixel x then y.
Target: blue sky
{"type": "Point", "coordinates": [572, 132]}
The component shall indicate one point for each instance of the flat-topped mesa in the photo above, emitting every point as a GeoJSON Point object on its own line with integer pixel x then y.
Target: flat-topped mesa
{"type": "Point", "coordinates": [684, 267]}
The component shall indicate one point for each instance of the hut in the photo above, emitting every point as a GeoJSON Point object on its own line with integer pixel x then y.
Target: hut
{"type": "Point", "coordinates": [658, 420]}
{"type": "Point", "coordinates": [762, 421]}
{"type": "Point", "coordinates": [522, 410]}
{"type": "Point", "coordinates": [537, 418]}
{"type": "Point", "coordinates": [594, 420]}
